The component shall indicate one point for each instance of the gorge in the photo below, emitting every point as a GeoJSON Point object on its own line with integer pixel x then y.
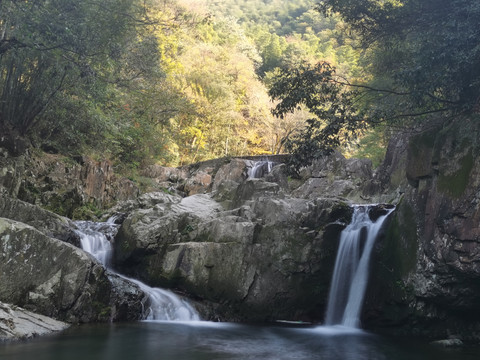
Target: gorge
{"type": "Point", "coordinates": [261, 250]}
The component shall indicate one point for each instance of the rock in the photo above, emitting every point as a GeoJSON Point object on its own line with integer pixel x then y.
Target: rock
{"type": "Point", "coordinates": [448, 343]}
{"type": "Point", "coordinates": [56, 279]}
{"type": "Point", "coordinates": [144, 201]}
{"type": "Point", "coordinates": [199, 183]}
{"type": "Point", "coordinates": [253, 189]}
{"type": "Point", "coordinates": [127, 300]}
{"type": "Point", "coordinates": [19, 324]}
{"type": "Point", "coordinates": [11, 171]}
{"type": "Point", "coordinates": [427, 268]}
{"type": "Point", "coordinates": [63, 186]}
{"type": "Point", "coordinates": [236, 170]}
{"type": "Point", "coordinates": [338, 177]}
{"type": "Point", "coordinates": [266, 260]}
{"type": "Point", "coordinates": [165, 223]}
{"type": "Point", "coordinates": [165, 174]}
{"type": "Point", "coordinates": [278, 175]}
{"type": "Point", "coordinates": [43, 220]}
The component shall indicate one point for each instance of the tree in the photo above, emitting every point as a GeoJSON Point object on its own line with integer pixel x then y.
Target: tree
{"type": "Point", "coordinates": [427, 51]}
{"type": "Point", "coordinates": [337, 118]}
{"type": "Point", "coordinates": [424, 59]}
{"type": "Point", "coordinates": [54, 47]}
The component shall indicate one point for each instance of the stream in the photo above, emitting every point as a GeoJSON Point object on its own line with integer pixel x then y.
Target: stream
{"type": "Point", "coordinates": [154, 340]}
{"type": "Point", "coordinates": [188, 338]}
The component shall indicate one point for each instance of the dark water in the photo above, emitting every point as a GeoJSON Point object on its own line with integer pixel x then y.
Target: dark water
{"type": "Point", "coordinates": [182, 341]}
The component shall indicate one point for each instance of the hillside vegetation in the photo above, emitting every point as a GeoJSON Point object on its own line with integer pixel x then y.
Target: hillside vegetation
{"type": "Point", "coordinates": [174, 82]}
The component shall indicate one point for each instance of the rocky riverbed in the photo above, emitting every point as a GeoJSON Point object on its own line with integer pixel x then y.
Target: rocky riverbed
{"type": "Point", "coordinates": [247, 249]}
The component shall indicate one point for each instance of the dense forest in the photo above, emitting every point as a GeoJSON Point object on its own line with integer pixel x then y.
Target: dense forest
{"type": "Point", "coordinates": [174, 82]}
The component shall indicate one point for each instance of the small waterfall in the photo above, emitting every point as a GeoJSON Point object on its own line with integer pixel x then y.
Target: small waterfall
{"type": "Point", "coordinates": [164, 305]}
{"type": "Point", "coordinates": [260, 169]}
{"type": "Point", "coordinates": [350, 274]}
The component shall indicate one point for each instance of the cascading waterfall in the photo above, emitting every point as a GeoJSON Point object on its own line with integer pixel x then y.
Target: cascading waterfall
{"type": "Point", "coordinates": [164, 304]}
{"type": "Point", "coordinates": [350, 274]}
{"type": "Point", "coordinates": [260, 169]}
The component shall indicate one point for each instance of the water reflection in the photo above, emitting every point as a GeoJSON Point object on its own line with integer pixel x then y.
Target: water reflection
{"type": "Point", "coordinates": [204, 340]}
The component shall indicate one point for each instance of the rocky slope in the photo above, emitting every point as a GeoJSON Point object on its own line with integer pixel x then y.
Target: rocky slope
{"type": "Point", "coordinates": [256, 250]}
{"type": "Point", "coordinates": [56, 279]}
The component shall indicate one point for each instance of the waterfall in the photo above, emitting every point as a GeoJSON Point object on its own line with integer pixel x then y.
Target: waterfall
{"type": "Point", "coordinates": [164, 305]}
{"type": "Point", "coordinates": [260, 169]}
{"type": "Point", "coordinates": [350, 274]}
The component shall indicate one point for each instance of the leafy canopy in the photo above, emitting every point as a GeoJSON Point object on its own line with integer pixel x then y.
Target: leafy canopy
{"type": "Point", "coordinates": [424, 58]}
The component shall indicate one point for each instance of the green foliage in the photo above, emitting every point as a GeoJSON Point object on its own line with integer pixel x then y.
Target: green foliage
{"type": "Point", "coordinates": [87, 212]}
{"type": "Point", "coordinates": [372, 145]}
{"type": "Point", "coordinates": [336, 117]}
{"type": "Point", "coordinates": [58, 46]}
{"type": "Point", "coordinates": [143, 82]}
{"type": "Point", "coordinates": [428, 50]}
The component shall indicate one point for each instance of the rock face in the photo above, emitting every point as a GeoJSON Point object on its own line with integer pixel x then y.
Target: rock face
{"type": "Point", "coordinates": [47, 222]}
{"type": "Point", "coordinates": [56, 279]}
{"type": "Point", "coordinates": [19, 324]}
{"type": "Point", "coordinates": [428, 266]}
{"type": "Point", "coordinates": [263, 260]}
{"type": "Point", "coordinates": [65, 186]}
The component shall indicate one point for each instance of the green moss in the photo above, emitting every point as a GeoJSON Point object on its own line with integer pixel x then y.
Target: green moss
{"type": "Point", "coordinates": [455, 184]}
{"type": "Point", "coordinates": [400, 251]}
{"type": "Point", "coordinates": [341, 212]}
{"type": "Point", "coordinates": [396, 259]}
{"type": "Point", "coordinates": [102, 310]}
{"type": "Point", "coordinates": [87, 212]}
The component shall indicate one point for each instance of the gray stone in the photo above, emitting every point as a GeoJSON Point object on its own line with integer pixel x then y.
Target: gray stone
{"type": "Point", "coordinates": [448, 343]}
{"type": "Point", "coordinates": [43, 220]}
{"type": "Point", "coordinates": [19, 324]}
{"type": "Point", "coordinates": [56, 279]}
{"type": "Point", "coordinates": [257, 262]}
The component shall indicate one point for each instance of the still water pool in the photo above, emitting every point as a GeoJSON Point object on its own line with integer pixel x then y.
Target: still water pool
{"type": "Point", "coordinates": [207, 341]}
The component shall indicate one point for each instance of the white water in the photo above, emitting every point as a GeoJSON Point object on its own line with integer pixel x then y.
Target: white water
{"type": "Point", "coordinates": [350, 274]}
{"type": "Point", "coordinates": [164, 304]}
{"type": "Point", "coordinates": [260, 169]}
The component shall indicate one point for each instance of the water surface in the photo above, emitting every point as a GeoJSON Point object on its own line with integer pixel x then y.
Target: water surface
{"type": "Point", "coordinates": [208, 341]}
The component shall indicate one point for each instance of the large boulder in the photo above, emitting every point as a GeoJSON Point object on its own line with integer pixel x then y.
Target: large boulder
{"type": "Point", "coordinates": [268, 259]}
{"type": "Point", "coordinates": [56, 279]}
{"type": "Point", "coordinates": [336, 176]}
{"type": "Point", "coordinates": [49, 223]}
{"type": "Point", "coordinates": [20, 324]}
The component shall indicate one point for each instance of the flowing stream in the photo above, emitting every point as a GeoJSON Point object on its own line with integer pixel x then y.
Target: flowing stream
{"type": "Point", "coordinates": [164, 305]}
{"type": "Point", "coordinates": [202, 340]}
{"type": "Point", "coordinates": [350, 274]}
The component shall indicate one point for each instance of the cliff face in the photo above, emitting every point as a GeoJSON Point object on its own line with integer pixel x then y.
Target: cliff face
{"type": "Point", "coordinates": [69, 187]}
{"type": "Point", "coordinates": [427, 274]}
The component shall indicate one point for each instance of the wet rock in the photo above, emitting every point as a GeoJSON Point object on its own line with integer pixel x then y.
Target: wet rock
{"type": "Point", "coordinates": [448, 343]}
{"type": "Point", "coordinates": [429, 259]}
{"type": "Point", "coordinates": [19, 324]}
